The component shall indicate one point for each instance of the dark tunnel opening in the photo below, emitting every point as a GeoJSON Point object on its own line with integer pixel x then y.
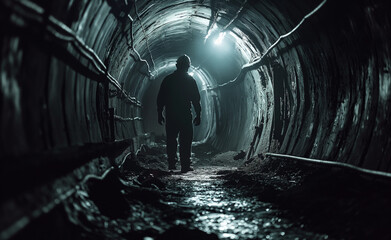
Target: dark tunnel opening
{"type": "Point", "coordinates": [79, 81]}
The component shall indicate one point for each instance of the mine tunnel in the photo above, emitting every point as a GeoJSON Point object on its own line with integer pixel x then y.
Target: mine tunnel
{"type": "Point", "coordinates": [294, 141]}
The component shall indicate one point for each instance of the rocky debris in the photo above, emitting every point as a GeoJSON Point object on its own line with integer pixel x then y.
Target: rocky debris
{"type": "Point", "coordinates": [335, 201]}
{"type": "Point", "coordinates": [260, 198]}
{"type": "Point", "coordinates": [240, 155]}
{"type": "Point", "coordinates": [182, 233]}
{"type": "Point", "coordinates": [106, 194]}
{"type": "Point", "coordinates": [146, 179]}
{"type": "Point", "coordinates": [347, 203]}
{"type": "Point", "coordinates": [154, 149]}
{"type": "Point", "coordinates": [152, 157]}
{"type": "Point", "coordinates": [223, 159]}
{"type": "Point", "coordinates": [131, 164]}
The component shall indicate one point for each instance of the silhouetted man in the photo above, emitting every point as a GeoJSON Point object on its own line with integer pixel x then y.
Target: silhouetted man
{"type": "Point", "coordinates": [176, 93]}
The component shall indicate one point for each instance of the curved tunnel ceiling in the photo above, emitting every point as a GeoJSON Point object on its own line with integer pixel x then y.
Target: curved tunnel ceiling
{"type": "Point", "coordinates": [323, 92]}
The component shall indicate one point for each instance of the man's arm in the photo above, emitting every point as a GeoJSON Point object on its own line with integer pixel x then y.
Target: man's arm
{"type": "Point", "coordinates": [196, 101]}
{"type": "Point", "coordinates": [161, 102]}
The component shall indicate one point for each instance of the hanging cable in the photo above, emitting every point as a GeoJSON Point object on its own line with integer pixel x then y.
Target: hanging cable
{"type": "Point", "coordinates": [122, 119]}
{"type": "Point", "coordinates": [145, 35]}
{"type": "Point", "coordinates": [138, 58]}
{"type": "Point", "coordinates": [236, 16]}
{"type": "Point", "coordinates": [258, 62]}
{"type": "Point", "coordinates": [211, 27]}
{"type": "Point", "coordinates": [34, 13]}
{"type": "Point", "coordinates": [332, 164]}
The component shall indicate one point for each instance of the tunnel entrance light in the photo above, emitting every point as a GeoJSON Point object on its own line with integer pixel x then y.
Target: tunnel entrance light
{"type": "Point", "coordinates": [220, 38]}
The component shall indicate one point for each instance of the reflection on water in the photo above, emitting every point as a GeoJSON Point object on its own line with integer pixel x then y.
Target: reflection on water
{"type": "Point", "coordinates": [228, 225]}
{"type": "Point", "coordinates": [196, 200]}
{"type": "Point", "coordinates": [230, 213]}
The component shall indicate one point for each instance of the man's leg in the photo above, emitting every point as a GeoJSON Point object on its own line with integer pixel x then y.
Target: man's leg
{"type": "Point", "coordinates": [185, 140]}
{"type": "Point", "coordinates": [171, 134]}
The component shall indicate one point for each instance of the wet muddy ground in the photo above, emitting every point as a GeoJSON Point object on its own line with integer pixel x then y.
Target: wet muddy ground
{"type": "Point", "coordinates": [230, 212]}
{"type": "Point", "coordinates": [225, 198]}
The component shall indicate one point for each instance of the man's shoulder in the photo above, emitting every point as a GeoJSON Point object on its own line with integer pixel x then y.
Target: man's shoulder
{"type": "Point", "coordinates": [190, 78]}
{"type": "Point", "coordinates": [166, 79]}
{"type": "Point", "coordinates": [169, 76]}
{"type": "Point", "coordinates": [175, 75]}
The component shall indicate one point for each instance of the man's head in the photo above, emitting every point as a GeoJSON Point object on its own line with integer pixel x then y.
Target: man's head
{"type": "Point", "coordinates": [183, 63]}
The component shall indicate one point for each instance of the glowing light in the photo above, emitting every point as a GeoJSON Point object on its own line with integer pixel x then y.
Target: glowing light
{"type": "Point", "coordinates": [191, 73]}
{"type": "Point", "coordinates": [211, 30]}
{"type": "Point", "coordinates": [220, 38]}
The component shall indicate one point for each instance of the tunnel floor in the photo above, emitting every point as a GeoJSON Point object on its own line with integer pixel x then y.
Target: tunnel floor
{"type": "Point", "coordinates": [229, 212]}
{"type": "Point", "coordinates": [195, 205]}
{"type": "Point", "coordinates": [223, 198]}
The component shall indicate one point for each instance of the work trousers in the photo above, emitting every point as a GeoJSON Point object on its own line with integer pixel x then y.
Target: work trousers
{"type": "Point", "coordinates": [184, 128]}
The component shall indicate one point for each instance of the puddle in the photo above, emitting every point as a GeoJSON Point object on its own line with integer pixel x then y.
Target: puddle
{"type": "Point", "coordinates": [197, 202]}
{"type": "Point", "coordinates": [229, 212]}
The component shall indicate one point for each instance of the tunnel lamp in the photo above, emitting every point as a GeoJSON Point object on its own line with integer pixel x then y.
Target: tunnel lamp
{"type": "Point", "coordinates": [191, 73]}
{"type": "Point", "coordinates": [220, 38]}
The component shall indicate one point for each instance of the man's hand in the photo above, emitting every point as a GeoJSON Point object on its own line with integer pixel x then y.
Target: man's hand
{"type": "Point", "coordinates": [160, 119]}
{"type": "Point", "coordinates": [197, 120]}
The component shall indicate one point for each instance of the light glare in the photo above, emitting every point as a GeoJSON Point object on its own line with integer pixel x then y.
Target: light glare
{"type": "Point", "coordinates": [219, 40]}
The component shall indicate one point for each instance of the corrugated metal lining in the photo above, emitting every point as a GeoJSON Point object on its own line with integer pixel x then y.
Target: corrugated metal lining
{"type": "Point", "coordinates": [74, 74]}
{"type": "Point", "coordinates": [107, 40]}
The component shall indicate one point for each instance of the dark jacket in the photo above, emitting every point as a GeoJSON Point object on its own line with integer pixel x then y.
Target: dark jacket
{"type": "Point", "coordinates": [176, 92]}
